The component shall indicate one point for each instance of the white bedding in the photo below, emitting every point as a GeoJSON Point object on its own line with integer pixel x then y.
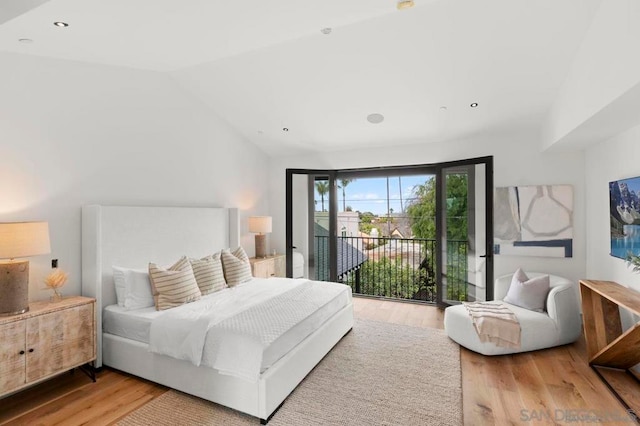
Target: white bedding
{"type": "Point", "coordinates": [132, 325]}
{"type": "Point", "coordinates": [204, 333]}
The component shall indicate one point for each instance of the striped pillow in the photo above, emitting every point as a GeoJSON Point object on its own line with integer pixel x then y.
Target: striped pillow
{"type": "Point", "coordinates": [237, 268]}
{"type": "Point", "coordinates": [209, 274]}
{"type": "Point", "coordinates": [178, 266]}
{"type": "Point", "coordinates": [174, 286]}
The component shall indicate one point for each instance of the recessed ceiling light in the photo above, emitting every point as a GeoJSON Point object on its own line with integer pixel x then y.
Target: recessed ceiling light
{"type": "Point", "coordinates": [326, 31]}
{"type": "Point", "coordinates": [285, 129]}
{"type": "Point", "coordinates": [375, 118]}
{"type": "Point", "coordinates": [474, 105]}
{"type": "Point", "coordinates": [405, 4]}
{"type": "Point", "coordinates": [443, 108]}
{"type": "Point", "coordinates": [60, 24]}
{"type": "Point", "coordinates": [25, 40]}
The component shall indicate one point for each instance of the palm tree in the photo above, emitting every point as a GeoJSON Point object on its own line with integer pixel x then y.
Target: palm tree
{"type": "Point", "coordinates": [323, 188]}
{"type": "Point", "coordinates": [400, 185]}
{"type": "Point", "coordinates": [343, 185]}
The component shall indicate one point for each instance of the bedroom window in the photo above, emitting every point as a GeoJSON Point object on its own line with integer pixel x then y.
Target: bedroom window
{"type": "Point", "coordinates": [416, 233]}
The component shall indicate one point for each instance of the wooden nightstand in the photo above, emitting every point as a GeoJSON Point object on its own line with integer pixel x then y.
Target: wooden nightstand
{"type": "Point", "coordinates": [270, 266]}
{"type": "Point", "coordinates": [51, 338]}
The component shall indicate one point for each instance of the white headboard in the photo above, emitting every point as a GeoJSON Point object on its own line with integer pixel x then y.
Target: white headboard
{"type": "Point", "coordinates": [134, 236]}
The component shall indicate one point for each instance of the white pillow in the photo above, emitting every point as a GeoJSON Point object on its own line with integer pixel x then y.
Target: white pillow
{"type": "Point", "coordinates": [528, 293]}
{"type": "Point", "coordinates": [119, 282]}
{"type": "Point", "coordinates": [133, 288]}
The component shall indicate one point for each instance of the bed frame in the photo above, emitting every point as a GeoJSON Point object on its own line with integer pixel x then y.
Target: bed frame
{"type": "Point", "coordinates": [133, 236]}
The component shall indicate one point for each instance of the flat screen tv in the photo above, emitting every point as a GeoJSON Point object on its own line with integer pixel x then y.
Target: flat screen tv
{"type": "Point", "coordinates": [624, 208]}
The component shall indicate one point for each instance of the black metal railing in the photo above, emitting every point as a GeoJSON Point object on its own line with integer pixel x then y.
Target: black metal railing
{"type": "Point", "coordinates": [399, 268]}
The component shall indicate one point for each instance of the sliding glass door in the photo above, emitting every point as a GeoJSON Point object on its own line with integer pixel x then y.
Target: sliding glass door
{"type": "Point", "coordinates": [465, 222]}
{"type": "Point", "coordinates": [311, 228]}
{"type": "Point", "coordinates": [419, 233]}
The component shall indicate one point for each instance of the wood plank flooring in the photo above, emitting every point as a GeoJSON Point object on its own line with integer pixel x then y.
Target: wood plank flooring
{"type": "Point", "coordinates": [544, 387]}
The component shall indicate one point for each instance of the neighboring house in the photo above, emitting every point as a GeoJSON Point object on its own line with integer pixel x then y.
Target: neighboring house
{"type": "Point", "coordinates": [348, 223]}
{"type": "Point", "coordinates": [396, 225]}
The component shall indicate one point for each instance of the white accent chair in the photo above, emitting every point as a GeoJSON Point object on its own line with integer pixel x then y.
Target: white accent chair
{"type": "Point", "coordinates": [559, 325]}
{"type": "Point", "coordinates": [298, 265]}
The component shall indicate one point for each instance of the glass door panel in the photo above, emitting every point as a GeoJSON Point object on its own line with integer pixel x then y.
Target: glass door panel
{"type": "Point", "coordinates": [310, 197]}
{"type": "Point", "coordinates": [465, 226]}
{"type": "Point", "coordinates": [303, 256]}
{"type": "Point", "coordinates": [319, 232]}
{"type": "Point", "coordinates": [415, 232]}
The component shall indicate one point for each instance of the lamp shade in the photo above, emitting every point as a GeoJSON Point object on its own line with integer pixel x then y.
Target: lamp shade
{"type": "Point", "coordinates": [23, 239]}
{"type": "Point", "coordinates": [260, 224]}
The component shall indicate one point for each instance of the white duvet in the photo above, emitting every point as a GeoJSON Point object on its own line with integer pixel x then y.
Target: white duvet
{"type": "Point", "coordinates": [237, 324]}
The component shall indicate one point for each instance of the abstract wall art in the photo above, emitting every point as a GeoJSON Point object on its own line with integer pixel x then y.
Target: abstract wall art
{"type": "Point", "coordinates": [534, 220]}
{"type": "Point", "coordinates": [624, 209]}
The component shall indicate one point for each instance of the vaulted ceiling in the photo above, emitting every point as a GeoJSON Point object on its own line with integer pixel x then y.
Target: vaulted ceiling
{"type": "Point", "coordinates": [266, 66]}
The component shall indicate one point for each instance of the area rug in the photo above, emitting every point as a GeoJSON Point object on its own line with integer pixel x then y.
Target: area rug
{"type": "Point", "coordinates": [378, 374]}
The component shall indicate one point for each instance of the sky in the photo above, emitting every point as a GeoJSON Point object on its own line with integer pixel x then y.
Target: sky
{"type": "Point", "coordinates": [370, 194]}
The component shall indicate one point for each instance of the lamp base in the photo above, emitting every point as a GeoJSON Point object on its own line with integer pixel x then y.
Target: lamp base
{"type": "Point", "coordinates": [14, 287]}
{"type": "Point", "coordinates": [261, 245]}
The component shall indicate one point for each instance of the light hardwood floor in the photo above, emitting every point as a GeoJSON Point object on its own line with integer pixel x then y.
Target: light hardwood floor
{"type": "Point", "coordinates": [543, 387]}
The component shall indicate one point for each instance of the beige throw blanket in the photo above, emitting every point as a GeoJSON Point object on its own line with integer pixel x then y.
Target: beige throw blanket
{"type": "Point", "coordinates": [495, 323]}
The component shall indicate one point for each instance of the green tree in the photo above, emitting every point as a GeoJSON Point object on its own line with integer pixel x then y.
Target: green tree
{"type": "Point", "coordinates": [365, 221]}
{"type": "Point", "coordinates": [366, 228]}
{"type": "Point", "coordinates": [343, 185]}
{"type": "Point", "coordinates": [393, 278]}
{"type": "Point", "coordinates": [457, 213]}
{"type": "Point", "coordinates": [422, 214]}
{"type": "Point", "coordinates": [323, 188]}
{"type": "Point", "coordinates": [422, 210]}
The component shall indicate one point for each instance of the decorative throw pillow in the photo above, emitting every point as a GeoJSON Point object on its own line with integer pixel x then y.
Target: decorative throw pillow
{"type": "Point", "coordinates": [181, 264]}
{"type": "Point", "coordinates": [528, 293]}
{"type": "Point", "coordinates": [133, 288]}
{"type": "Point", "coordinates": [209, 274]}
{"type": "Point", "coordinates": [174, 286]}
{"type": "Point", "coordinates": [237, 268]}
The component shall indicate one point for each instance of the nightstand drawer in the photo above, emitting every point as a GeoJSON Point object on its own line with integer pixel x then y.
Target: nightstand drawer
{"type": "Point", "coordinates": [272, 266]}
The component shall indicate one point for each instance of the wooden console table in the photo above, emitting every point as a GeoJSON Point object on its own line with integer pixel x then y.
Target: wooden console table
{"type": "Point", "coordinates": [611, 352]}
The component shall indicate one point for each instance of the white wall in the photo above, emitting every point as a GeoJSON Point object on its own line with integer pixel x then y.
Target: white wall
{"type": "Point", "coordinates": [608, 161]}
{"type": "Point", "coordinates": [517, 161]}
{"type": "Point", "coordinates": [605, 67]}
{"type": "Point", "coordinates": [73, 134]}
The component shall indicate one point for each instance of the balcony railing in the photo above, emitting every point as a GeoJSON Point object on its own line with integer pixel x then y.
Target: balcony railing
{"type": "Point", "coordinates": [399, 268]}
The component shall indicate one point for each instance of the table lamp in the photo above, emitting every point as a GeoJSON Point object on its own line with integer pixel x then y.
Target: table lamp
{"type": "Point", "coordinates": [260, 225]}
{"type": "Point", "coordinates": [17, 240]}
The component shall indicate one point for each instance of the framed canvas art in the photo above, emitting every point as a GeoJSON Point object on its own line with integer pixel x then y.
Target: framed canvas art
{"type": "Point", "coordinates": [624, 217]}
{"type": "Point", "coordinates": [534, 220]}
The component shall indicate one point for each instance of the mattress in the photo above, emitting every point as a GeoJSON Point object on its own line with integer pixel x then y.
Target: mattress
{"type": "Point", "coordinates": [136, 324]}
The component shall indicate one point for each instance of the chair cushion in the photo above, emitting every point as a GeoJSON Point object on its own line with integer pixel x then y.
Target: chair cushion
{"type": "Point", "coordinates": [538, 330]}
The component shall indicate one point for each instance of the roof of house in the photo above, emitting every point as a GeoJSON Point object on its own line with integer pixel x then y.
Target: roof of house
{"type": "Point", "coordinates": [399, 222]}
{"type": "Point", "coordinates": [349, 257]}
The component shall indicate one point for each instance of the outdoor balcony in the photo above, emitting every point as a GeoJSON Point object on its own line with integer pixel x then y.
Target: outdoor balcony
{"type": "Point", "coordinates": [396, 268]}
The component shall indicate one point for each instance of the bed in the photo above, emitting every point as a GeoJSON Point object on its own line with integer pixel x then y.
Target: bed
{"type": "Point", "coordinates": [133, 236]}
